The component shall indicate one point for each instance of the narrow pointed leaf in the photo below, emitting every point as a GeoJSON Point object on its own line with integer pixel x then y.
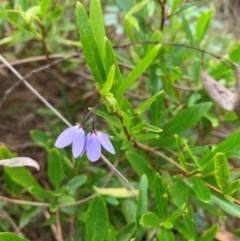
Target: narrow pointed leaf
{"type": "Point", "coordinates": [200, 189]}
{"type": "Point", "coordinates": [126, 232]}
{"type": "Point", "coordinates": [141, 166]}
{"type": "Point", "coordinates": [109, 82]}
{"type": "Point", "coordinates": [90, 46]}
{"type": "Point", "coordinates": [186, 118]}
{"type": "Point", "coordinates": [233, 187]}
{"type": "Point", "coordinates": [147, 103]}
{"type": "Point", "coordinates": [209, 234]}
{"type": "Point", "coordinates": [161, 197]}
{"type": "Point", "coordinates": [97, 25]}
{"type": "Point", "coordinates": [97, 220]}
{"type": "Point", "coordinates": [142, 199]}
{"type": "Point", "coordinates": [137, 71]}
{"type": "Point", "coordinates": [222, 173]}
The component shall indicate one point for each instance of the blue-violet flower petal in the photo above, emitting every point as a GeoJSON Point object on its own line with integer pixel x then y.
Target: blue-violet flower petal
{"type": "Point", "coordinates": [93, 147]}
{"type": "Point", "coordinates": [66, 137]}
{"type": "Point", "coordinates": [104, 140]}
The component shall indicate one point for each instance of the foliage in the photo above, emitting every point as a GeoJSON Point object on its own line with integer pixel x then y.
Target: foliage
{"type": "Point", "coordinates": [156, 111]}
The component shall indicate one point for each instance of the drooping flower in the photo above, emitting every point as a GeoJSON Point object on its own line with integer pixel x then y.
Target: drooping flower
{"type": "Point", "coordinates": [74, 135]}
{"type": "Point", "coordinates": [94, 140]}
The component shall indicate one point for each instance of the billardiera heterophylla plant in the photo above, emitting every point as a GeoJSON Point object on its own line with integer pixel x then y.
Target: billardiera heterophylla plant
{"type": "Point", "coordinates": [91, 143]}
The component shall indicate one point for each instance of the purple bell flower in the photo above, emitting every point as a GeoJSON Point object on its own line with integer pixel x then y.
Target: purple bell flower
{"type": "Point", "coordinates": [94, 140]}
{"type": "Point", "coordinates": [74, 135]}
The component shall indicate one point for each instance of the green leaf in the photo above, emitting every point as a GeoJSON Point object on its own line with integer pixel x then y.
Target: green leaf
{"type": "Point", "coordinates": [179, 191]}
{"type": "Point", "coordinates": [76, 182]}
{"type": "Point", "coordinates": [202, 25]}
{"type": "Point", "coordinates": [150, 220]}
{"type": "Point", "coordinates": [176, 214]}
{"type": "Point", "coordinates": [222, 173]}
{"type": "Point", "coordinates": [227, 206]}
{"type": "Point", "coordinates": [142, 199]}
{"type": "Point", "coordinates": [137, 7]}
{"type": "Point", "coordinates": [109, 61]}
{"type": "Point", "coordinates": [184, 230]}
{"type": "Point", "coordinates": [166, 235]}
{"type": "Point", "coordinates": [186, 118]}
{"type": "Point", "coordinates": [90, 46]}
{"type": "Point", "coordinates": [110, 236]}
{"type": "Point", "coordinates": [109, 82]}
{"type": "Point", "coordinates": [161, 196]}
{"type": "Point", "coordinates": [40, 138]}
{"type": "Point", "coordinates": [7, 236]}
{"type": "Point", "coordinates": [20, 175]}
{"type": "Point", "coordinates": [55, 167]}
{"type": "Point", "coordinates": [97, 25]}
{"type": "Point", "coordinates": [149, 136]}
{"type": "Point", "coordinates": [187, 29]}
{"type": "Point", "coordinates": [229, 144]}
{"type": "Point", "coordinates": [200, 189]}
{"type": "Point", "coordinates": [209, 234]}
{"type": "Point", "coordinates": [137, 71]}
{"type": "Point", "coordinates": [40, 192]}
{"type": "Point", "coordinates": [181, 157]}
{"type": "Point", "coordinates": [44, 7]}
{"type": "Point", "coordinates": [141, 166]}
{"type": "Point", "coordinates": [147, 103]}
{"type": "Point", "coordinates": [233, 187]}
{"type": "Point", "coordinates": [97, 220]}
{"type": "Point", "coordinates": [126, 232]}
{"type": "Point", "coordinates": [195, 159]}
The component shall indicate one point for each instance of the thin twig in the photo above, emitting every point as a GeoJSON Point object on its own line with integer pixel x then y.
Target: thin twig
{"type": "Point", "coordinates": [118, 173]}
{"type": "Point", "coordinates": [6, 216]}
{"type": "Point", "coordinates": [58, 224]}
{"type": "Point", "coordinates": [53, 227]}
{"type": "Point", "coordinates": [35, 92]}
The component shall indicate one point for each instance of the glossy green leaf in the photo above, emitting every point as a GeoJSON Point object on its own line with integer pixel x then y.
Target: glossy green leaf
{"type": "Point", "coordinates": [181, 157]}
{"type": "Point", "coordinates": [147, 103]}
{"type": "Point", "coordinates": [149, 136]}
{"type": "Point", "coordinates": [97, 220]}
{"type": "Point", "coordinates": [229, 144]}
{"type": "Point", "coordinates": [141, 166]}
{"type": "Point", "coordinates": [7, 236]}
{"type": "Point", "coordinates": [186, 118]}
{"type": "Point", "coordinates": [109, 82]}
{"type": "Point", "coordinates": [76, 182]}
{"type": "Point", "coordinates": [150, 220]}
{"type": "Point", "coordinates": [126, 233]}
{"type": "Point", "coordinates": [200, 189]}
{"type": "Point", "coordinates": [97, 25]}
{"type": "Point", "coordinates": [179, 192]}
{"type": "Point", "coordinates": [194, 158]}
{"type": "Point", "coordinates": [110, 236]}
{"type": "Point", "coordinates": [184, 231]}
{"type": "Point", "coordinates": [221, 171]}
{"type": "Point", "coordinates": [110, 60]}
{"type": "Point", "coordinates": [161, 196]}
{"type": "Point", "coordinates": [137, 7]}
{"type": "Point", "coordinates": [176, 214]}
{"type": "Point", "coordinates": [40, 192]}
{"type": "Point", "coordinates": [233, 187]}
{"type": "Point", "coordinates": [202, 25]}
{"type": "Point", "coordinates": [209, 234]}
{"type": "Point", "coordinates": [44, 7]}
{"type": "Point", "coordinates": [55, 167]}
{"type": "Point", "coordinates": [145, 126]}
{"type": "Point", "coordinates": [40, 137]}
{"type": "Point", "coordinates": [166, 235]}
{"type": "Point", "coordinates": [90, 46]}
{"type": "Point", "coordinates": [142, 201]}
{"type": "Point", "coordinates": [137, 71]}
{"type": "Point", "coordinates": [187, 29]}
